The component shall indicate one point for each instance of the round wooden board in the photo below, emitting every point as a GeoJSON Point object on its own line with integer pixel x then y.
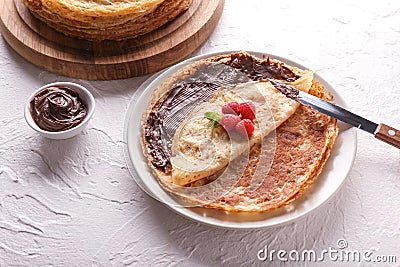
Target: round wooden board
{"type": "Point", "coordinates": [107, 60]}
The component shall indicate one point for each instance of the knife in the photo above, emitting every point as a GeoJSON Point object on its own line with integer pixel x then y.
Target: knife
{"type": "Point", "coordinates": [381, 131]}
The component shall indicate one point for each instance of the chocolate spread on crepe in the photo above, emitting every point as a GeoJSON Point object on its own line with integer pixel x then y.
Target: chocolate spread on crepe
{"type": "Point", "coordinates": [159, 145]}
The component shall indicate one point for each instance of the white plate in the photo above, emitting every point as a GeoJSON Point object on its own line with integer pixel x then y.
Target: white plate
{"type": "Point", "coordinates": [328, 183]}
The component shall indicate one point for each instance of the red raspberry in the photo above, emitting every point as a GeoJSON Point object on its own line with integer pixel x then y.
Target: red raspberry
{"type": "Point", "coordinates": [247, 110]}
{"type": "Point", "coordinates": [245, 128]}
{"type": "Point", "coordinates": [231, 108]}
{"type": "Point", "coordinates": [229, 121]}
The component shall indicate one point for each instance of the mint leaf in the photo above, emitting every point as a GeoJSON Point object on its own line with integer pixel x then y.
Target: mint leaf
{"type": "Point", "coordinates": [213, 117]}
{"type": "Point", "coordinates": [212, 124]}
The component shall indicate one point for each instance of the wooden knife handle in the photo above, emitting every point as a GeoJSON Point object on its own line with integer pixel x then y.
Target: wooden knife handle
{"type": "Point", "coordinates": [388, 134]}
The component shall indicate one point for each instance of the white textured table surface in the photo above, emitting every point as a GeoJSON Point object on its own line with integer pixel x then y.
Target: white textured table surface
{"type": "Point", "coordinates": [74, 203]}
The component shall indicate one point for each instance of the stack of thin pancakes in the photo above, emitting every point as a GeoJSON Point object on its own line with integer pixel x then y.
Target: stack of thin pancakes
{"type": "Point", "coordinates": [106, 19]}
{"type": "Point", "coordinates": [302, 142]}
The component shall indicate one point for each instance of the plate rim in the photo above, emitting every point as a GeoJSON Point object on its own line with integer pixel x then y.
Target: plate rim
{"type": "Point", "coordinates": [160, 76]}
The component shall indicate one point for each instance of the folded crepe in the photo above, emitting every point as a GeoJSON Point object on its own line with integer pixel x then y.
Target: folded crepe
{"type": "Point", "coordinates": [200, 151]}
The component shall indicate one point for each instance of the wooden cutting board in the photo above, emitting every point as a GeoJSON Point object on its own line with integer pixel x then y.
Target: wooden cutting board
{"type": "Point", "coordinates": [107, 60]}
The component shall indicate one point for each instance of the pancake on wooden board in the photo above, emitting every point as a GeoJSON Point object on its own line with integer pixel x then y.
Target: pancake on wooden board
{"type": "Point", "coordinates": [94, 10]}
{"type": "Point", "coordinates": [101, 20]}
{"type": "Point", "coordinates": [303, 144]}
{"type": "Point", "coordinates": [164, 13]}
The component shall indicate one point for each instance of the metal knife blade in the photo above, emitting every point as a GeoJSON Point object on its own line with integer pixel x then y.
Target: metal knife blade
{"type": "Point", "coordinates": [380, 131]}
